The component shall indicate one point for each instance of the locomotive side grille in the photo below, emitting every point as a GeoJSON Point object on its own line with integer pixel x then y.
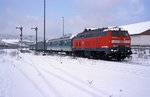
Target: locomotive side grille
{"type": "Point", "coordinates": [121, 46]}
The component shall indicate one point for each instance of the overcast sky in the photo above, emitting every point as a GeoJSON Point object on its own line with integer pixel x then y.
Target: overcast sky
{"type": "Point", "coordinates": [78, 14]}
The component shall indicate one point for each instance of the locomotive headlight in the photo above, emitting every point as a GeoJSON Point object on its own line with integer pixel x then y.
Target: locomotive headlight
{"type": "Point", "coordinates": [126, 41]}
{"type": "Point", "coordinates": [128, 51]}
{"type": "Point", "coordinates": [113, 50]}
{"type": "Point", "coordinates": [115, 41]}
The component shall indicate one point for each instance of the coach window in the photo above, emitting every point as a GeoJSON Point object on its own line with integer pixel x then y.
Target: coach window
{"type": "Point", "coordinates": [57, 43]}
{"type": "Point", "coordinates": [65, 42]}
{"type": "Point", "coordinates": [69, 43]}
{"type": "Point", "coordinates": [50, 44]}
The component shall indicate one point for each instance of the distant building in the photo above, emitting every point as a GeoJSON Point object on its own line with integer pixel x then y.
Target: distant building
{"type": "Point", "coordinates": [5, 45]}
{"type": "Point", "coordinates": [137, 27]}
{"type": "Point", "coordinates": [2, 44]}
{"type": "Point", "coordinates": [140, 34]}
{"type": "Point", "coordinates": [141, 39]}
{"type": "Point", "coordinates": [14, 44]}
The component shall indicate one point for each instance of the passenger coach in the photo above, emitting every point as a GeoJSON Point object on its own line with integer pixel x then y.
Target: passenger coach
{"type": "Point", "coordinates": [63, 44]}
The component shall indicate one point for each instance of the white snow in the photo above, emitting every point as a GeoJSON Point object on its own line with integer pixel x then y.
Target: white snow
{"type": "Point", "coordinates": [115, 28]}
{"type": "Point", "coordinates": [29, 75]}
{"type": "Point", "coordinates": [137, 27]}
{"type": "Point", "coordinates": [11, 41]}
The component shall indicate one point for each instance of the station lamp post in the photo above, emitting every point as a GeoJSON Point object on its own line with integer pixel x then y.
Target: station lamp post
{"type": "Point", "coordinates": [63, 24]}
{"type": "Point", "coordinates": [44, 27]}
{"type": "Point", "coordinates": [36, 28]}
{"type": "Point", "coordinates": [20, 28]}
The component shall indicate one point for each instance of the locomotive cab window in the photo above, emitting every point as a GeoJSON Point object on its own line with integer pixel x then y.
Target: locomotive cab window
{"type": "Point", "coordinates": [120, 33]}
{"type": "Point", "coordinates": [116, 33]}
{"type": "Point", "coordinates": [103, 33]}
{"type": "Point", "coordinates": [124, 33]}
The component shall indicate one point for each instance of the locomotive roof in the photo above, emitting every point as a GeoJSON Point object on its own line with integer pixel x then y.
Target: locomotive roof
{"type": "Point", "coordinates": [115, 28]}
{"type": "Point", "coordinates": [88, 30]}
{"type": "Point", "coordinates": [94, 29]}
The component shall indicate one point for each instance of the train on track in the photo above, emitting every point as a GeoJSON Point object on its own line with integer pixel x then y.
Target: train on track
{"type": "Point", "coordinates": [104, 43]}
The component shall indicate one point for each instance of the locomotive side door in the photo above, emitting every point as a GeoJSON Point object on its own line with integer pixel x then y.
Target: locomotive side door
{"type": "Point", "coordinates": [98, 42]}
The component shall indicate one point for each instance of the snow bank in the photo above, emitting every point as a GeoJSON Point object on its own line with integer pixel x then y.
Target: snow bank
{"type": "Point", "coordinates": [28, 75]}
{"type": "Point", "coordinates": [11, 41]}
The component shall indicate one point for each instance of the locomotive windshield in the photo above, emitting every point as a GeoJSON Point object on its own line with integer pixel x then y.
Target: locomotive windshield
{"type": "Point", "coordinates": [120, 33]}
{"type": "Point", "coordinates": [124, 33]}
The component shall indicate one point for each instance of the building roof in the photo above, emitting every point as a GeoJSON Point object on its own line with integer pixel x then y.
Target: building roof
{"type": "Point", "coordinates": [11, 41]}
{"type": "Point", "coordinates": [147, 32]}
{"type": "Point", "coordinates": [1, 42]}
{"type": "Point", "coordinates": [137, 28]}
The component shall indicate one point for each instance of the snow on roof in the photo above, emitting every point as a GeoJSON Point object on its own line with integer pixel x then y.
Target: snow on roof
{"type": "Point", "coordinates": [11, 41]}
{"type": "Point", "coordinates": [14, 41]}
{"type": "Point", "coordinates": [68, 36]}
{"type": "Point", "coordinates": [147, 32]}
{"type": "Point", "coordinates": [73, 35]}
{"type": "Point", "coordinates": [1, 42]}
{"type": "Point", "coordinates": [114, 28]}
{"type": "Point", "coordinates": [137, 28]}
{"type": "Point", "coordinates": [90, 28]}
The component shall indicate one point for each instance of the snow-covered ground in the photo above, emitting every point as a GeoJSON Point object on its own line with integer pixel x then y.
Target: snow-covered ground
{"type": "Point", "coordinates": [29, 75]}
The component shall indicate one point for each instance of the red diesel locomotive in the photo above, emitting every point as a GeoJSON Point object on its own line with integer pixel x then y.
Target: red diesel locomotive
{"type": "Point", "coordinates": [105, 43]}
